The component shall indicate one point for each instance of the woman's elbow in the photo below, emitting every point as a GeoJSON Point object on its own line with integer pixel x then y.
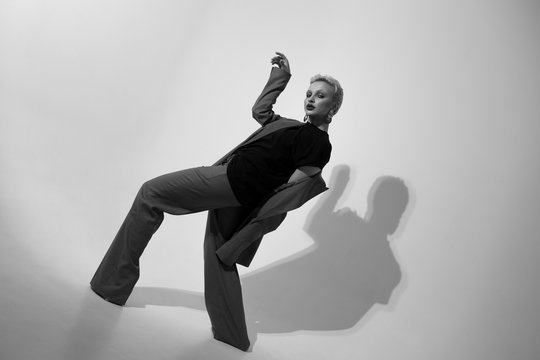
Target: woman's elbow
{"type": "Point", "coordinates": [256, 115]}
{"type": "Point", "coordinates": [260, 118]}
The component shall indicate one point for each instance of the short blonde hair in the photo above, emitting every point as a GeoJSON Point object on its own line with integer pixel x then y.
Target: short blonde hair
{"type": "Point", "coordinates": [338, 90]}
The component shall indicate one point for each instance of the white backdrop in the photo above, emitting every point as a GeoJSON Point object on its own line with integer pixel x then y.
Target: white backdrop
{"type": "Point", "coordinates": [97, 96]}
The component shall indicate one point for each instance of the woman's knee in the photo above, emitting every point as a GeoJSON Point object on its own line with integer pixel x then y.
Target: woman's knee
{"type": "Point", "coordinates": [147, 190]}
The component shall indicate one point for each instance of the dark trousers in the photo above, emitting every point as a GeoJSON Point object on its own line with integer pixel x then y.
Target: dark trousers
{"type": "Point", "coordinates": [177, 193]}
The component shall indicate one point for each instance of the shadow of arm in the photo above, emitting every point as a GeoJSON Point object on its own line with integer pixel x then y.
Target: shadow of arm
{"type": "Point", "coordinates": [319, 218]}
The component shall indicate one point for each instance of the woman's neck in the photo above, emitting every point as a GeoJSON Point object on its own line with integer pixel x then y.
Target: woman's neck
{"type": "Point", "coordinates": [320, 124]}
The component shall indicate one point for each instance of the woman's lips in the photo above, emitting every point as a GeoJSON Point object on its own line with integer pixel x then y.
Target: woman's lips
{"type": "Point", "coordinates": [310, 107]}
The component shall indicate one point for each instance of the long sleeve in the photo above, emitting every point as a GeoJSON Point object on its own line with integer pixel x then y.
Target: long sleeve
{"type": "Point", "coordinates": [262, 109]}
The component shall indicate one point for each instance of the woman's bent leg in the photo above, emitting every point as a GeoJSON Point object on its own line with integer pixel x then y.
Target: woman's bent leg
{"type": "Point", "coordinates": [178, 193]}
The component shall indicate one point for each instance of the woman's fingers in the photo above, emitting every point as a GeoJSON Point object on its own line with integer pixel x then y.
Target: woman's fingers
{"type": "Point", "coordinates": [277, 59]}
{"type": "Point", "coordinates": [281, 61]}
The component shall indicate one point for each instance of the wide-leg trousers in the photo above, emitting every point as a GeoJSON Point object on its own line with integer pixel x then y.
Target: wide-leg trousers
{"type": "Point", "coordinates": [177, 193]}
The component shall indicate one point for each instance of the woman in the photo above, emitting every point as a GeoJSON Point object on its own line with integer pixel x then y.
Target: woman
{"type": "Point", "coordinates": [281, 154]}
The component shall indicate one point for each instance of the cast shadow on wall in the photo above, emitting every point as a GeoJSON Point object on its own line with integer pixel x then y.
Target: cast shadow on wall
{"type": "Point", "coordinates": [350, 267]}
{"type": "Point", "coordinates": [332, 284]}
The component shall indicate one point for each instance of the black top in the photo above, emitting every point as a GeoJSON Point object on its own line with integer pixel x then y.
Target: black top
{"type": "Point", "coordinates": [260, 167]}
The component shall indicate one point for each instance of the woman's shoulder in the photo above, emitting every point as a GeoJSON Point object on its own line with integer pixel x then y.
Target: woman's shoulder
{"type": "Point", "coordinates": [314, 133]}
{"type": "Point", "coordinates": [282, 122]}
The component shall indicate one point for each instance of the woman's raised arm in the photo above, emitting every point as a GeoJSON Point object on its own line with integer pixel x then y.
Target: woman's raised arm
{"type": "Point", "coordinates": [279, 77]}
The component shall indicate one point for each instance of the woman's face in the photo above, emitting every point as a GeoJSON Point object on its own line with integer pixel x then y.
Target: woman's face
{"type": "Point", "coordinates": [319, 100]}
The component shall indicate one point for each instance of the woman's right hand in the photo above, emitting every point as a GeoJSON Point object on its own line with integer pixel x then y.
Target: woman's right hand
{"type": "Point", "coordinates": [281, 61]}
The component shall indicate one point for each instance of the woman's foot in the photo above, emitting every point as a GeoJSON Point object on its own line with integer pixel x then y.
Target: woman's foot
{"type": "Point", "coordinates": [112, 301]}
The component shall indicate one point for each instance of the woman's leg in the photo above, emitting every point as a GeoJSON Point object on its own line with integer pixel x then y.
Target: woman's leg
{"type": "Point", "coordinates": [177, 193]}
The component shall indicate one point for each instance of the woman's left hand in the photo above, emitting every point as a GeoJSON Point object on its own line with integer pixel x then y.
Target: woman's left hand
{"type": "Point", "coordinates": [281, 61]}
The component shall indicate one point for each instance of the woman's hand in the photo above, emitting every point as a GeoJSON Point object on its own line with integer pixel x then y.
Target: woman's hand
{"type": "Point", "coordinates": [281, 61]}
